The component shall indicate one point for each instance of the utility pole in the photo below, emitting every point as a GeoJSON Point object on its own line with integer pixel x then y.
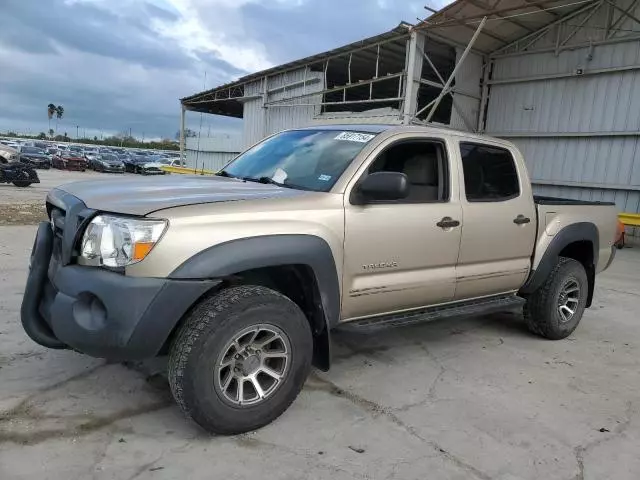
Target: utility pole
{"type": "Point", "coordinates": [130, 136]}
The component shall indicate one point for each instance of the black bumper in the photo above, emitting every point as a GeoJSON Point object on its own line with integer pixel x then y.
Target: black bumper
{"type": "Point", "coordinates": [98, 312]}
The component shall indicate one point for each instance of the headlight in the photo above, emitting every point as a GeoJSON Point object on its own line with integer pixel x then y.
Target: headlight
{"type": "Point", "coordinates": [119, 241]}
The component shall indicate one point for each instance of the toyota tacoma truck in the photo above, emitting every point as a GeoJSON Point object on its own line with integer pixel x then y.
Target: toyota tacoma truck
{"type": "Point", "coordinates": [240, 277]}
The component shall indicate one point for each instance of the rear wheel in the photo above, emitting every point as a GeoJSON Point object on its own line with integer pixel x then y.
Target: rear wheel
{"type": "Point", "coordinates": [555, 309]}
{"type": "Point", "coordinates": [21, 183]}
{"type": "Point", "coordinates": [240, 359]}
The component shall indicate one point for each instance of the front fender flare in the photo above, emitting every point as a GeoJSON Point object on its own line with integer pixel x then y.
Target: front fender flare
{"type": "Point", "coordinates": [236, 256]}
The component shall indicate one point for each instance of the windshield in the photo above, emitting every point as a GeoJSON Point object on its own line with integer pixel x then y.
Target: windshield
{"type": "Point", "coordinates": [31, 150]}
{"type": "Point", "coordinates": [109, 157]}
{"type": "Point", "coordinates": [306, 159]}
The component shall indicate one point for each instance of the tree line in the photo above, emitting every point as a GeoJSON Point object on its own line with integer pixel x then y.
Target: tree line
{"type": "Point", "coordinates": [112, 141]}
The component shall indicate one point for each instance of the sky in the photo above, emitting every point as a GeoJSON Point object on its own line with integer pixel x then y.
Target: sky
{"type": "Point", "coordinates": [120, 65]}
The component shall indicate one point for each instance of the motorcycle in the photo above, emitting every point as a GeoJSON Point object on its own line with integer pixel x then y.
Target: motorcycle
{"type": "Point", "coordinates": [19, 174]}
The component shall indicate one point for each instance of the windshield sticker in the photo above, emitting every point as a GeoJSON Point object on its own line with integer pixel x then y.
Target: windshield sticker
{"type": "Point", "coordinates": [355, 137]}
{"type": "Point", "coordinates": [324, 178]}
{"type": "Point", "coordinates": [279, 176]}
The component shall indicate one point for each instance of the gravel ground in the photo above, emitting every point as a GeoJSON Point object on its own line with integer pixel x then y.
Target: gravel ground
{"type": "Point", "coordinates": [478, 398]}
{"type": "Point", "coordinates": [25, 206]}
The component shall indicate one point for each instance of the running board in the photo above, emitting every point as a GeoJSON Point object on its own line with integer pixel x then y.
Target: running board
{"type": "Point", "coordinates": [466, 308]}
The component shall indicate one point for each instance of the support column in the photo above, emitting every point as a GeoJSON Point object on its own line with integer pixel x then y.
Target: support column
{"type": "Point", "coordinates": [182, 153]}
{"type": "Point", "coordinates": [482, 114]}
{"type": "Point", "coordinates": [413, 69]}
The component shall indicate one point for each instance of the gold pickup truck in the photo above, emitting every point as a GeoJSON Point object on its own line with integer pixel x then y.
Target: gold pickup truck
{"type": "Point", "coordinates": [240, 277]}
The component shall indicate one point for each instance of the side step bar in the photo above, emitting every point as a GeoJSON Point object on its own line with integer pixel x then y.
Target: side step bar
{"type": "Point", "coordinates": [466, 308]}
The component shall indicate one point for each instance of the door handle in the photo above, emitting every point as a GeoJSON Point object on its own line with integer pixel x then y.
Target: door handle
{"type": "Point", "coordinates": [448, 222]}
{"type": "Point", "coordinates": [521, 220]}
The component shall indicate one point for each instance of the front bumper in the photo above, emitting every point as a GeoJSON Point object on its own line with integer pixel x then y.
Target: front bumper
{"type": "Point", "coordinates": [111, 169]}
{"type": "Point", "coordinates": [98, 312]}
{"type": "Point", "coordinates": [44, 164]}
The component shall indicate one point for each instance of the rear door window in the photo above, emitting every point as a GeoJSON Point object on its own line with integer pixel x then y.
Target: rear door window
{"type": "Point", "coordinates": [490, 173]}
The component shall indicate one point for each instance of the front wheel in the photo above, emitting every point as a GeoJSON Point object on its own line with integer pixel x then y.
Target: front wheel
{"type": "Point", "coordinates": [21, 183]}
{"type": "Point", "coordinates": [555, 309]}
{"type": "Point", "coordinates": [240, 359]}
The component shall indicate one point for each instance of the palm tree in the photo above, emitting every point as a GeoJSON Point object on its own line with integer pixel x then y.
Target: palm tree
{"type": "Point", "coordinates": [51, 132]}
{"type": "Point", "coordinates": [51, 110]}
{"type": "Point", "coordinates": [59, 114]}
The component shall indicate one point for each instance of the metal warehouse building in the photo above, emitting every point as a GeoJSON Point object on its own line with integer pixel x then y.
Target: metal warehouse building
{"type": "Point", "coordinates": [558, 78]}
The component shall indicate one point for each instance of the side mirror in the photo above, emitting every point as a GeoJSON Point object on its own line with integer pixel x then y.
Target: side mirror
{"type": "Point", "coordinates": [383, 186]}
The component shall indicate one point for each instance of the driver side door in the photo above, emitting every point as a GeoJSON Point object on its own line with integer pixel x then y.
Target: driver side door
{"type": "Point", "coordinates": [398, 255]}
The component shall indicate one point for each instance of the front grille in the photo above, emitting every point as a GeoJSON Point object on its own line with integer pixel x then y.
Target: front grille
{"type": "Point", "coordinates": [68, 215]}
{"type": "Point", "coordinates": [57, 222]}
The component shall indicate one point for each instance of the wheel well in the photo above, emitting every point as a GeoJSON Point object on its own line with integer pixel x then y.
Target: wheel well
{"type": "Point", "coordinates": [298, 283]}
{"type": "Point", "coordinates": [582, 252]}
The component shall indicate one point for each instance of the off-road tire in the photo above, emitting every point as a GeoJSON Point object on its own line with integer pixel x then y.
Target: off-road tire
{"type": "Point", "coordinates": [203, 335]}
{"type": "Point", "coordinates": [541, 310]}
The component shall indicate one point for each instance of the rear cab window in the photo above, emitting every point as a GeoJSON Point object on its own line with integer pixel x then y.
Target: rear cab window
{"type": "Point", "coordinates": [490, 173]}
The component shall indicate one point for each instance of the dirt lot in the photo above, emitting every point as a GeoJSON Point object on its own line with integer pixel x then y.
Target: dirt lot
{"type": "Point", "coordinates": [470, 399]}
{"type": "Point", "coordinates": [24, 206]}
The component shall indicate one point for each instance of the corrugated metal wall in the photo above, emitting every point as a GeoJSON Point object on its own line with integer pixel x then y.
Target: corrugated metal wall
{"type": "Point", "coordinates": [212, 153]}
{"type": "Point", "coordinates": [464, 115]}
{"type": "Point", "coordinates": [258, 124]}
{"type": "Point", "coordinates": [213, 161]}
{"type": "Point", "coordinates": [579, 133]}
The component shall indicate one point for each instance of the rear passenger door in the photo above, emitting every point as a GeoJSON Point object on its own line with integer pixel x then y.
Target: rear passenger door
{"type": "Point", "coordinates": [499, 222]}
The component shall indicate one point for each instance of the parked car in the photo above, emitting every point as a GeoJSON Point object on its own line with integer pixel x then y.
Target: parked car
{"type": "Point", "coordinates": [8, 154]}
{"type": "Point", "coordinates": [69, 161]}
{"type": "Point", "coordinates": [14, 145]}
{"type": "Point", "coordinates": [242, 276]}
{"type": "Point", "coordinates": [77, 149]}
{"type": "Point", "coordinates": [89, 154]}
{"type": "Point", "coordinates": [173, 162]}
{"type": "Point", "coordinates": [106, 162]}
{"type": "Point", "coordinates": [63, 147]}
{"type": "Point", "coordinates": [35, 157]}
{"type": "Point", "coordinates": [131, 164]}
{"type": "Point", "coordinates": [153, 166]}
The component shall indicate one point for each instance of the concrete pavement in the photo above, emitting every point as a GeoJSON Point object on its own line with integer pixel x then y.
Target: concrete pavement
{"type": "Point", "coordinates": [478, 398]}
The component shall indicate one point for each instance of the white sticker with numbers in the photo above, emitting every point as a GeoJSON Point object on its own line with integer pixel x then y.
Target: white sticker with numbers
{"type": "Point", "coordinates": [355, 137]}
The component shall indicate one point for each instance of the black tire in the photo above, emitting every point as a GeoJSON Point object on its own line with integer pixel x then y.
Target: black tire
{"type": "Point", "coordinates": [21, 183]}
{"type": "Point", "coordinates": [542, 313]}
{"type": "Point", "coordinates": [204, 336]}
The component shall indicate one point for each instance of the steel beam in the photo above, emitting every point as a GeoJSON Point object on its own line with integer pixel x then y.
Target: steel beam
{"type": "Point", "coordinates": [182, 113]}
{"type": "Point", "coordinates": [452, 77]}
{"type": "Point", "coordinates": [626, 38]}
{"type": "Point", "coordinates": [484, 100]}
{"type": "Point", "coordinates": [546, 28]}
{"type": "Point", "coordinates": [414, 70]}
{"type": "Point", "coordinates": [565, 134]}
{"type": "Point", "coordinates": [598, 186]}
{"type": "Point", "coordinates": [553, 76]}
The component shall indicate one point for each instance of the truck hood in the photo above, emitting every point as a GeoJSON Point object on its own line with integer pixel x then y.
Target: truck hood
{"type": "Point", "coordinates": [141, 196]}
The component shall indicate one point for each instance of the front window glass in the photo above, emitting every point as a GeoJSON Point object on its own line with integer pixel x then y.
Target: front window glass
{"type": "Point", "coordinates": [305, 159]}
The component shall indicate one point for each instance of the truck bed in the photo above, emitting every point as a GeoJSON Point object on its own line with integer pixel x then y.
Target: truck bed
{"type": "Point", "coordinates": [540, 200]}
{"type": "Point", "coordinates": [554, 214]}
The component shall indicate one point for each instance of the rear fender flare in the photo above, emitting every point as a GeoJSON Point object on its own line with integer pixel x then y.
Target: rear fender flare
{"type": "Point", "coordinates": [577, 232]}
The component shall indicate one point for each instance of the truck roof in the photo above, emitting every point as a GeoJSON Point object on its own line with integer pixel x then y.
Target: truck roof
{"type": "Point", "coordinates": [380, 127]}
